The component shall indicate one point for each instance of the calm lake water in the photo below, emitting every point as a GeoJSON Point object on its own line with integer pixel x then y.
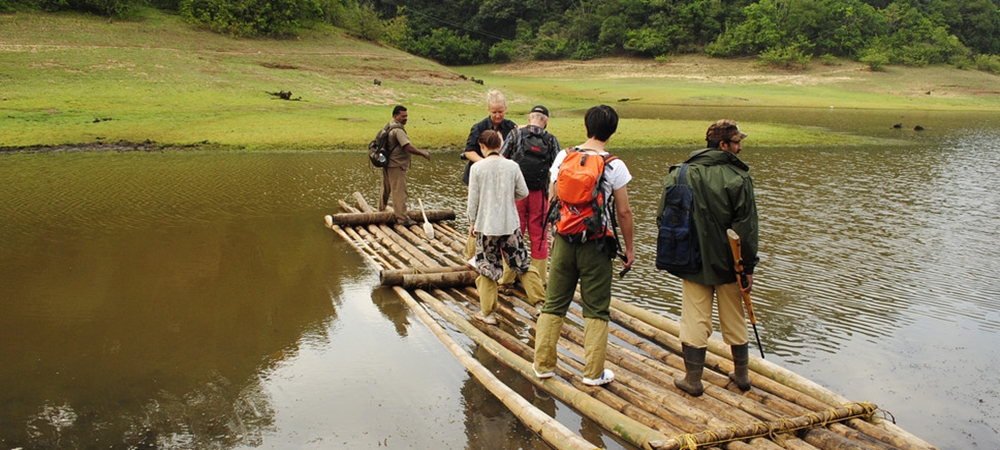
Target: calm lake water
{"type": "Point", "coordinates": [195, 300]}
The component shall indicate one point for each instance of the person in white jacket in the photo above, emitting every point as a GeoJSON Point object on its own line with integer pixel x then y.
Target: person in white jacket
{"type": "Point", "coordinates": [495, 183]}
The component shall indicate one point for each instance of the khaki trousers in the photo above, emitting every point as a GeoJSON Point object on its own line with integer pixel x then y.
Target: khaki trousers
{"type": "Point", "coordinates": [487, 290]}
{"type": "Point", "coordinates": [696, 313]}
{"type": "Point", "coordinates": [394, 185]}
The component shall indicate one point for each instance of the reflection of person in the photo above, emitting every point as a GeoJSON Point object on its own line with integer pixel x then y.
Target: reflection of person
{"type": "Point", "coordinates": [534, 149]}
{"type": "Point", "coordinates": [496, 104]}
{"type": "Point", "coordinates": [394, 173]}
{"type": "Point", "coordinates": [723, 199]}
{"type": "Point", "coordinates": [588, 262]}
{"type": "Point", "coordinates": [494, 184]}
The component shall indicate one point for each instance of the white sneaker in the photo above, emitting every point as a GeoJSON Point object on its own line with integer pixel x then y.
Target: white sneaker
{"type": "Point", "coordinates": [489, 319]}
{"type": "Point", "coordinates": [542, 375]}
{"type": "Point", "coordinates": [606, 377]}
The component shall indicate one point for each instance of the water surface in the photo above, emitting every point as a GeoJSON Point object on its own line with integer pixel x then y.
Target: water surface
{"type": "Point", "coordinates": [195, 300]}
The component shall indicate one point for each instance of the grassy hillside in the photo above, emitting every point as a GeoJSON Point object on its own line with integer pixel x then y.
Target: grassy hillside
{"type": "Point", "coordinates": [73, 79]}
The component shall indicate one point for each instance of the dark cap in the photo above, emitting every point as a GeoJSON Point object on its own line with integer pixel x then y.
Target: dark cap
{"type": "Point", "coordinates": [540, 109]}
{"type": "Point", "coordinates": [723, 130]}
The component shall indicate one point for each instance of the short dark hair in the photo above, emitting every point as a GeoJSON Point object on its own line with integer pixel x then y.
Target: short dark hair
{"type": "Point", "coordinates": [397, 109]}
{"type": "Point", "coordinates": [601, 122]}
{"type": "Point", "coordinates": [714, 144]}
{"type": "Point", "coordinates": [491, 139]}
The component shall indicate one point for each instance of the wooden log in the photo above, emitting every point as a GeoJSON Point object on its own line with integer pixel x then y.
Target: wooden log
{"type": "Point", "coordinates": [365, 218]}
{"type": "Point", "coordinates": [432, 248]}
{"type": "Point", "coordinates": [761, 429]}
{"type": "Point", "coordinates": [612, 420]}
{"type": "Point", "coordinates": [758, 365]}
{"type": "Point", "coordinates": [394, 277]}
{"type": "Point", "coordinates": [439, 280]}
{"type": "Point", "coordinates": [554, 433]}
{"type": "Point", "coordinates": [398, 234]}
{"type": "Point", "coordinates": [362, 203]}
{"type": "Point", "coordinates": [348, 208]}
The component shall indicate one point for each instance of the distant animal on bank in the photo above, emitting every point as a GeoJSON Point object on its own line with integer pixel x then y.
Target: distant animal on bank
{"type": "Point", "coordinates": [898, 125]}
{"type": "Point", "coordinates": [378, 82]}
{"type": "Point", "coordinates": [918, 128]}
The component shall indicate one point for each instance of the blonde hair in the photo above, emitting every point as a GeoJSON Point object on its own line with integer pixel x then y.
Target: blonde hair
{"type": "Point", "coordinates": [495, 98]}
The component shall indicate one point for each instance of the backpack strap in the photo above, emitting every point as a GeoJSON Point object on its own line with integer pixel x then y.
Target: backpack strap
{"type": "Point", "coordinates": [682, 175]}
{"type": "Point", "coordinates": [388, 136]}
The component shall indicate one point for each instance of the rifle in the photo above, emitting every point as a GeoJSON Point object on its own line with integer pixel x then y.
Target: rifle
{"type": "Point", "coordinates": [734, 244]}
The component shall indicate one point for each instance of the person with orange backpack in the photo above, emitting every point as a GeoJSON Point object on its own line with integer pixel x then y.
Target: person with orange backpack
{"type": "Point", "coordinates": [588, 192]}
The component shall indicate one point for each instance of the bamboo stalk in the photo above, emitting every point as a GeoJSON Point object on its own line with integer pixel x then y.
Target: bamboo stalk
{"type": "Point", "coordinates": [643, 386]}
{"type": "Point", "coordinates": [439, 280]}
{"type": "Point", "coordinates": [365, 218]}
{"type": "Point", "coordinates": [395, 276]}
{"type": "Point", "coordinates": [551, 431]}
{"type": "Point", "coordinates": [761, 429]}
{"type": "Point", "coordinates": [612, 420]}
{"type": "Point", "coordinates": [760, 366]}
{"type": "Point", "coordinates": [362, 204]}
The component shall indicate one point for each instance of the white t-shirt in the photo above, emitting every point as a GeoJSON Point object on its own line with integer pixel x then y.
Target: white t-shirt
{"type": "Point", "coordinates": [616, 173]}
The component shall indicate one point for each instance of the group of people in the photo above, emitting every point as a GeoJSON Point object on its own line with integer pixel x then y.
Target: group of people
{"type": "Point", "coordinates": [511, 176]}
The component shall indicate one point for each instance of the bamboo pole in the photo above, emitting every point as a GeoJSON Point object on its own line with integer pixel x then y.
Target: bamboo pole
{"type": "Point", "coordinates": [365, 218]}
{"type": "Point", "coordinates": [760, 366]}
{"type": "Point", "coordinates": [384, 246]}
{"type": "Point", "coordinates": [551, 431]}
{"type": "Point", "coordinates": [362, 204]}
{"type": "Point", "coordinates": [393, 277]}
{"type": "Point", "coordinates": [427, 246]}
{"type": "Point", "coordinates": [760, 429]}
{"type": "Point", "coordinates": [439, 280]}
{"type": "Point", "coordinates": [612, 420]}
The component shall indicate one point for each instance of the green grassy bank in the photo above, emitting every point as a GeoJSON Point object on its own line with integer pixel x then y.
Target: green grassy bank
{"type": "Point", "coordinates": [73, 79]}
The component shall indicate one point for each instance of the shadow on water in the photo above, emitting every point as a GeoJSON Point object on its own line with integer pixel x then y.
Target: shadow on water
{"type": "Point", "coordinates": [194, 300]}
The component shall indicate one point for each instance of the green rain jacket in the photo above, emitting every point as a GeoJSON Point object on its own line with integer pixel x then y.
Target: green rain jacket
{"type": "Point", "coordinates": [723, 199]}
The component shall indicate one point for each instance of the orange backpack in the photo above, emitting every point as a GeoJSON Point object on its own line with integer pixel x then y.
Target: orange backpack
{"type": "Point", "coordinates": [579, 207]}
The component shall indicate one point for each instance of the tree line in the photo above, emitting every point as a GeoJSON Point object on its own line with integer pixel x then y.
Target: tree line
{"type": "Point", "coordinates": [788, 33]}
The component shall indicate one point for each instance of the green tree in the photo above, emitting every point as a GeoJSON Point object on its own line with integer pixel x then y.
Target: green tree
{"type": "Point", "coordinates": [449, 48]}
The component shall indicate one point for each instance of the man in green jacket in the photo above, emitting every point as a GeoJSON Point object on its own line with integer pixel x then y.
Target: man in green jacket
{"type": "Point", "coordinates": [723, 199]}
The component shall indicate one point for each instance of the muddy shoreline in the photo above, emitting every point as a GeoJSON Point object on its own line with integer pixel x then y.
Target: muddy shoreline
{"type": "Point", "coordinates": [118, 146]}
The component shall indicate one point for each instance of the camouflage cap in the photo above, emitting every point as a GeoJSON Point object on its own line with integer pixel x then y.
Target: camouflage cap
{"type": "Point", "coordinates": [723, 130]}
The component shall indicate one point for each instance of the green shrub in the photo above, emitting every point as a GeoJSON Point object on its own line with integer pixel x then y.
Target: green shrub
{"type": "Point", "coordinates": [250, 18]}
{"type": "Point", "coordinates": [988, 63]}
{"type": "Point", "coordinates": [875, 59]}
{"type": "Point", "coordinates": [447, 47]}
{"type": "Point", "coordinates": [789, 57]}
{"type": "Point", "coordinates": [828, 59]}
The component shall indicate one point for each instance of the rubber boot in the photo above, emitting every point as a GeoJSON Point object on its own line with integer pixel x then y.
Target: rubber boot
{"type": "Point", "coordinates": [694, 364]}
{"type": "Point", "coordinates": [546, 339]}
{"type": "Point", "coordinates": [741, 363]}
{"type": "Point", "coordinates": [532, 283]}
{"type": "Point", "coordinates": [595, 347]}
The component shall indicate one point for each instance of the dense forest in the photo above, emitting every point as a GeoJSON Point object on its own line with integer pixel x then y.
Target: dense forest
{"type": "Point", "coordinates": [787, 33]}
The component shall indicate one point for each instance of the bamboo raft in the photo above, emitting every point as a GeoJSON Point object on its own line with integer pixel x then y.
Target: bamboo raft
{"type": "Point", "coordinates": [642, 406]}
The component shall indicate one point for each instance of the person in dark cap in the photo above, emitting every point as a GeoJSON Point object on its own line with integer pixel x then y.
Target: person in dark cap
{"type": "Point", "coordinates": [534, 149]}
{"type": "Point", "coordinates": [723, 199]}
